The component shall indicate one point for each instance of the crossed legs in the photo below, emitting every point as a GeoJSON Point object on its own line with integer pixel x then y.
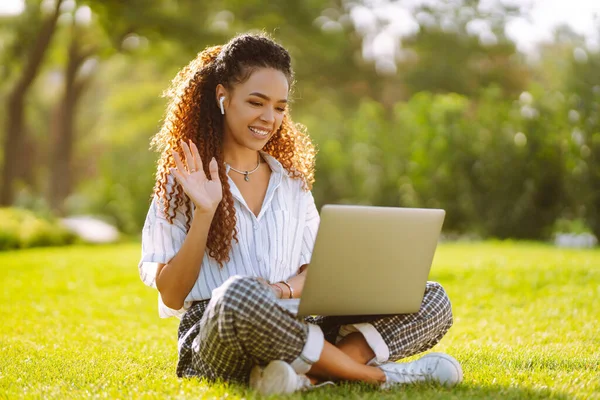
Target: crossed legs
{"type": "Point", "coordinates": [244, 326]}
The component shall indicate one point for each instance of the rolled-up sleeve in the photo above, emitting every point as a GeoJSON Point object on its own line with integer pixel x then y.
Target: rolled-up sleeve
{"type": "Point", "coordinates": [310, 230]}
{"type": "Point", "coordinates": [161, 240]}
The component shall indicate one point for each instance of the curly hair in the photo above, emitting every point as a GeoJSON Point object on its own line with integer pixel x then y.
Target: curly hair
{"type": "Point", "coordinates": [192, 113]}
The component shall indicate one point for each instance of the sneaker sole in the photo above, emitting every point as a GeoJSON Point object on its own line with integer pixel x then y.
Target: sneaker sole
{"type": "Point", "coordinates": [453, 361]}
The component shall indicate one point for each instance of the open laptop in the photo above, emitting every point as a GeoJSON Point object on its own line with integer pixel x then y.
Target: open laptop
{"type": "Point", "coordinates": [369, 261]}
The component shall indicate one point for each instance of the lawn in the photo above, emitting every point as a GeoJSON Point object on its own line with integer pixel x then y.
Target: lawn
{"type": "Point", "coordinates": [77, 322]}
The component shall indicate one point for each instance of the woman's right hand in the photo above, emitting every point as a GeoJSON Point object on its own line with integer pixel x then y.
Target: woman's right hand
{"type": "Point", "coordinates": [205, 192]}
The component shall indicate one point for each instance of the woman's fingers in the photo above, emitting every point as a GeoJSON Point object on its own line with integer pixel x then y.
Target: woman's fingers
{"type": "Point", "coordinates": [196, 154]}
{"type": "Point", "coordinates": [189, 159]}
{"type": "Point", "coordinates": [178, 176]}
{"type": "Point", "coordinates": [204, 193]}
{"type": "Point", "coordinates": [178, 161]}
{"type": "Point", "coordinates": [213, 168]}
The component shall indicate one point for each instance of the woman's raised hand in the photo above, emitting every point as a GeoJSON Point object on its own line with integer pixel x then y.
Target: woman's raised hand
{"type": "Point", "coordinates": [205, 192]}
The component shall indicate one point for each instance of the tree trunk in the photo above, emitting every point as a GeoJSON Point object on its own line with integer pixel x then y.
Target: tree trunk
{"type": "Point", "coordinates": [61, 175]}
{"type": "Point", "coordinates": [14, 140]}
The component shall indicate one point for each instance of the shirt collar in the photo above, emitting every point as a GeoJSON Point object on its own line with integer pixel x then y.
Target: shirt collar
{"type": "Point", "coordinates": [273, 163]}
{"type": "Point", "coordinates": [277, 173]}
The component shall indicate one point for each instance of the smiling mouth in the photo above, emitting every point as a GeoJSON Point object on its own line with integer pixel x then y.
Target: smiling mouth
{"type": "Point", "coordinates": [263, 133]}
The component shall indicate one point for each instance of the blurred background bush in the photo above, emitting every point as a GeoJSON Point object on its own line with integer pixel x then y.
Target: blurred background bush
{"type": "Point", "coordinates": [411, 103]}
{"type": "Point", "coordinates": [20, 228]}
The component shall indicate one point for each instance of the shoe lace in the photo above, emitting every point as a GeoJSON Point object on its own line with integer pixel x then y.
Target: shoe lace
{"type": "Point", "coordinates": [413, 373]}
{"type": "Point", "coordinates": [306, 385]}
{"type": "Point", "coordinates": [326, 383]}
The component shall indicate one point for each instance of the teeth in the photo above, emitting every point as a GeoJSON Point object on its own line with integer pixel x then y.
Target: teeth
{"type": "Point", "coordinates": [259, 131]}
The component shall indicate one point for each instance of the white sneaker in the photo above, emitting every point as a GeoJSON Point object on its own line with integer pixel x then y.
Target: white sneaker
{"type": "Point", "coordinates": [433, 367]}
{"type": "Point", "coordinates": [279, 378]}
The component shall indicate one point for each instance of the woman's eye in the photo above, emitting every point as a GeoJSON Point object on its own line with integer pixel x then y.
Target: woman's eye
{"type": "Point", "coordinates": [280, 109]}
{"type": "Point", "coordinates": [254, 103]}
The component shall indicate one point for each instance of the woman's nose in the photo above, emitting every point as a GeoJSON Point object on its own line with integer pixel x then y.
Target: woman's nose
{"type": "Point", "coordinates": [268, 115]}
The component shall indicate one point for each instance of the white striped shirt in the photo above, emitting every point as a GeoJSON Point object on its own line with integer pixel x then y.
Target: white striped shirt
{"type": "Point", "coordinates": [272, 246]}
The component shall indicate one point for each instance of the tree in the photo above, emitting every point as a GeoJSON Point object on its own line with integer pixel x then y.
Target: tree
{"type": "Point", "coordinates": [80, 49]}
{"type": "Point", "coordinates": [15, 130]}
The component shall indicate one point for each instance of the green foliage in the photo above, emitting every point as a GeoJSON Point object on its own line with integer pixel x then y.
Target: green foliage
{"type": "Point", "coordinates": [577, 227]}
{"type": "Point", "coordinates": [18, 36]}
{"type": "Point", "coordinates": [498, 166]}
{"type": "Point", "coordinates": [521, 162]}
{"type": "Point", "coordinates": [525, 327]}
{"type": "Point", "coordinates": [20, 228]}
{"type": "Point", "coordinates": [467, 64]}
{"type": "Point", "coordinates": [450, 129]}
{"type": "Point", "coordinates": [583, 84]}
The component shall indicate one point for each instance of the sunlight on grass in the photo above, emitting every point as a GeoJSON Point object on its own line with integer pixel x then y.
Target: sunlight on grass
{"type": "Point", "coordinates": [78, 322]}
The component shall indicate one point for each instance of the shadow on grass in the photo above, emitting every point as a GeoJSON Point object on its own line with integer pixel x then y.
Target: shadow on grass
{"type": "Point", "coordinates": [424, 391]}
{"type": "Point", "coordinates": [418, 391]}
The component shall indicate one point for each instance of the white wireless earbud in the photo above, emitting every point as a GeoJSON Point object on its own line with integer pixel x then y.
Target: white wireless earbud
{"type": "Point", "coordinates": [221, 100]}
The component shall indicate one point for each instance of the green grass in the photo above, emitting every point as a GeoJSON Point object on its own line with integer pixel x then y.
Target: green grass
{"type": "Point", "coordinates": [77, 322]}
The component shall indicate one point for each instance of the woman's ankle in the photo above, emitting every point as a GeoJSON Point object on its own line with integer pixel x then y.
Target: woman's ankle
{"type": "Point", "coordinates": [376, 375]}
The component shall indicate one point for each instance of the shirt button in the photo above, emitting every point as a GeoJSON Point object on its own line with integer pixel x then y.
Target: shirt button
{"type": "Point", "coordinates": [259, 259]}
{"type": "Point", "coordinates": [255, 227]}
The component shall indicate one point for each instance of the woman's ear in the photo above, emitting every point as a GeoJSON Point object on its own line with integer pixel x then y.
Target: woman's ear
{"type": "Point", "coordinates": [220, 91]}
{"type": "Point", "coordinates": [221, 96]}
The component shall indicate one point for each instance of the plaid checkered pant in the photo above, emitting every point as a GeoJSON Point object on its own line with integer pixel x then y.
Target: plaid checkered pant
{"type": "Point", "coordinates": [242, 325]}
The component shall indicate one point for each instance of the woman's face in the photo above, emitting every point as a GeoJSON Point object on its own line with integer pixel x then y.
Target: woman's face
{"type": "Point", "coordinates": [254, 109]}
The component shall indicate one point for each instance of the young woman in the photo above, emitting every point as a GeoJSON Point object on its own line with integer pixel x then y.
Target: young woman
{"type": "Point", "coordinates": [231, 229]}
